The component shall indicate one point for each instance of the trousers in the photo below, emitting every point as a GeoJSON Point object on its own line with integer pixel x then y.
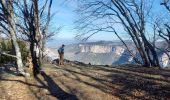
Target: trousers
{"type": "Point", "coordinates": [61, 59]}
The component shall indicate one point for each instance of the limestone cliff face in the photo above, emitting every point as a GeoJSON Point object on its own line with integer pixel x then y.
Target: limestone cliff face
{"type": "Point", "coordinates": [118, 50]}
{"type": "Point", "coordinates": [164, 60]}
{"type": "Point", "coordinates": [101, 49]}
{"type": "Point", "coordinates": [96, 48]}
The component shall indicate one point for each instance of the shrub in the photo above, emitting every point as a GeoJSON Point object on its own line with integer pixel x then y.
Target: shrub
{"type": "Point", "coordinates": [6, 46]}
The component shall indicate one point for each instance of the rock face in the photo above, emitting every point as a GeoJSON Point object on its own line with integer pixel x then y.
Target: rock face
{"type": "Point", "coordinates": [118, 50]}
{"type": "Point", "coordinates": [96, 48]}
{"type": "Point", "coordinates": [164, 60]}
{"type": "Point", "coordinates": [102, 53]}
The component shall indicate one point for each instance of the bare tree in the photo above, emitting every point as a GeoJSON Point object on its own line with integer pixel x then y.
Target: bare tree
{"type": "Point", "coordinates": [8, 24]}
{"type": "Point", "coordinates": [163, 28]}
{"type": "Point", "coordinates": [34, 25]}
{"type": "Point", "coordinates": [96, 16]}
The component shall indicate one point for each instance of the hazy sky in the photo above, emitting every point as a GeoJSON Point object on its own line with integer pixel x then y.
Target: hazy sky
{"type": "Point", "coordinates": [65, 17]}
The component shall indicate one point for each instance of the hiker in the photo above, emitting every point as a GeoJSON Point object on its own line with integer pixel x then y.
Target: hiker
{"type": "Point", "coordinates": [61, 55]}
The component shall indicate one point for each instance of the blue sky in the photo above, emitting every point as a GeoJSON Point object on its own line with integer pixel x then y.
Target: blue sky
{"type": "Point", "coordinates": [65, 17]}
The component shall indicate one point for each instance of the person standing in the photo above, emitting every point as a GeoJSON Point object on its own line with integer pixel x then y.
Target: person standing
{"type": "Point", "coordinates": [61, 55]}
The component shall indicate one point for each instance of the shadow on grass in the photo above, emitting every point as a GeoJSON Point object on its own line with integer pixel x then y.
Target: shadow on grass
{"type": "Point", "coordinates": [133, 86]}
{"type": "Point", "coordinates": [28, 84]}
{"type": "Point", "coordinates": [9, 71]}
{"type": "Point", "coordinates": [54, 89]}
{"type": "Point", "coordinates": [148, 70]}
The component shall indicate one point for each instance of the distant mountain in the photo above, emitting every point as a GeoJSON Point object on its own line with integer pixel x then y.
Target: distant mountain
{"type": "Point", "coordinates": [104, 53]}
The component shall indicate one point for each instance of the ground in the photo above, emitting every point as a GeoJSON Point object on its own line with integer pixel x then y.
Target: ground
{"type": "Point", "coordinates": [87, 82]}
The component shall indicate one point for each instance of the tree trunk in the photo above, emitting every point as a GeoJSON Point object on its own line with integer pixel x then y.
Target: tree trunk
{"type": "Point", "coordinates": [9, 14]}
{"type": "Point", "coordinates": [36, 66]}
{"type": "Point", "coordinates": [18, 54]}
{"type": "Point", "coordinates": [37, 39]}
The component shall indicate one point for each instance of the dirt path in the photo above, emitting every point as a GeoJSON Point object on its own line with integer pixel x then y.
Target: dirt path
{"type": "Point", "coordinates": [89, 83]}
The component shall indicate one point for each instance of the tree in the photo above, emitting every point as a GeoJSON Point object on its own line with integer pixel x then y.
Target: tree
{"type": "Point", "coordinates": [7, 20]}
{"type": "Point", "coordinates": [96, 16]}
{"type": "Point", "coordinates": [163, 28]}
{"type": "Point", "coordinates": [34, 23]}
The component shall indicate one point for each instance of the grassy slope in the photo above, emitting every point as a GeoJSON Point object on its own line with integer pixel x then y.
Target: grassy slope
{"type": "Point", "coordinates": [89, 83]}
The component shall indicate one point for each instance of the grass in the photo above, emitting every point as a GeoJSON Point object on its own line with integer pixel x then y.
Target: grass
{"type": "Point", "coordinates": [75, 82]}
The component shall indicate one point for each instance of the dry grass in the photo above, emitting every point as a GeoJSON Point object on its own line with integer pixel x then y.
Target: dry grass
{"type": "Point", "coordinates": [72, 82]}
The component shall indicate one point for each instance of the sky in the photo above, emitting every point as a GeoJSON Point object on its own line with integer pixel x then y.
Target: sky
{"type": "Point", "coordinates": [65, 16]}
